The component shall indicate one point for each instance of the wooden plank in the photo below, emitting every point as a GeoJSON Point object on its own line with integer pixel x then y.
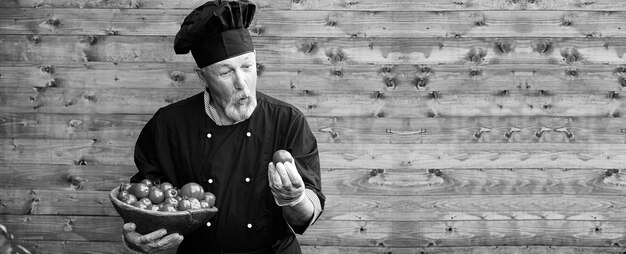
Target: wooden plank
{"type": "Point", "coordinates": [354, 181]}
{"type": "Point", "coordinates": [327, 103]}
{"type": "Point", "coordinates": [477, 181]}
{"type": "Point", "coordinates": [362, 233]}
{"type": "Point", "coordinates": [452, 77]}
{"type": "Point", "coordinates": [145, 4]}
{"type": "Point", "coordinates": [333, 51]}
{"type": "Point", "coordinates": [465, 233]}
{"type": "Point", "coordinates": [361, 207]}
{"type": "Point", "coordinates": [313, 24]}
{"type": "Point", "coordinates": [55, 202]}
{"type": "Point", "coordinates": [387, 130]}
{"type": "Point", "coordinates": [336, 155]}
{"type": "Point", "coordinates": [371, 5]}
{"type": "Point", "coordinates": [85, 177]}
{"type": "Point", "coordinates": [71, 247]}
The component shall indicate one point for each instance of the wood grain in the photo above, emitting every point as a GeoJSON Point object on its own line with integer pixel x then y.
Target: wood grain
{"type": "Point", "coordinates": [335, 155]}
{"type": "Point", "coordinates": [72, 247]}
{"type": "Point", "coordinates": [362, 233]}
{"type": "Point", "coordinates": [386, 130]}
{"type": "Point", "coordinates": [502, 78]}
{"type": "Point", "coordinates": [370, 5]}
{"type": "Point", "coordinates": [525, 102]}
{"type": "Point", "coordinates": [315, 24]}
{"type": "Point", "coordinates": [324, 51]}
{"type": "Point", "coordinates": [361, 207]}
{"type": "Point", "coordinates": [355, 181]}
{"type": "Point", "coordinates": [477, 181]}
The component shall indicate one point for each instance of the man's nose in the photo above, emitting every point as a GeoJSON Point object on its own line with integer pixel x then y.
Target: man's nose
{"type": "Point", "coordinates": [240, 81]}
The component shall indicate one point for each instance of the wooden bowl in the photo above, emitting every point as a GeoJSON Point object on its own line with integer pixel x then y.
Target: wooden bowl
{"type": "Point", "coordinates": [147, 221]}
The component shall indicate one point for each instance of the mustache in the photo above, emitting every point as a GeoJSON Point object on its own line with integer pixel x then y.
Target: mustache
{"type": "Point", "coordinates": [239, 95]}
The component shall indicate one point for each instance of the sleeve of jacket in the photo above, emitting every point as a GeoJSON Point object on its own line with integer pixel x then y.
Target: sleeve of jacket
{"type": "Point", "coordinates": [303, 146]}
{"type": "Point", "coordinates": [146, 151]}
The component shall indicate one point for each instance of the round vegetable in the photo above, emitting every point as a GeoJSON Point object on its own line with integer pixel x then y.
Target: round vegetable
{"type": "Point", "coordinates": [140, 190]}
{"type": "Point", "coordinates": [282, 156]}
{"type": "Point", "coordinates": [156, 195]}
{"type": "Point", "coordinates": [192, 190]}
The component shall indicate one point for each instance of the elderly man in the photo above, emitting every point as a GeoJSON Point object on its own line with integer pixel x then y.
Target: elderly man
{"type": "Point", "coordinates": [224, 139]}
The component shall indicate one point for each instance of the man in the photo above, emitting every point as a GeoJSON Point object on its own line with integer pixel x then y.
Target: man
{"type": "Point", "coordinates": [224, 139]}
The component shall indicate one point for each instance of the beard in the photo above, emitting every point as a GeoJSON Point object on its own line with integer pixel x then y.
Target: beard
{"type": "Point", "coordinates": [240, 106]}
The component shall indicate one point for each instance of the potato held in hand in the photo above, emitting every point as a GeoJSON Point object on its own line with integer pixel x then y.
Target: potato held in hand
{"type": "Point", "coordinates": [282, 156]}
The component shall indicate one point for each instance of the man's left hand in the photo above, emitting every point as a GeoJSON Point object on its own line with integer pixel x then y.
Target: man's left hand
{"type": "Point", "coordinates": [285, 183]}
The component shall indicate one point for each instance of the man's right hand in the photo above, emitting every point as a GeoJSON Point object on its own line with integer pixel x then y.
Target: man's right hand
{"type": "Point", "coordinates": [157, 240]}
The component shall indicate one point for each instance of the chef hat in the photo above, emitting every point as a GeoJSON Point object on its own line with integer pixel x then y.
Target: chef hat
{"type": "Point", "coordinates": [215, 31]}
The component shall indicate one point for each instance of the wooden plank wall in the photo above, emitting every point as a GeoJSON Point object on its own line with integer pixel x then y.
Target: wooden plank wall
{"type": "Point", "coordinates": [444, 126]}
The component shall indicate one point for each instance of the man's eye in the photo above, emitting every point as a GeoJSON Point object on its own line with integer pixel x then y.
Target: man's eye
{"type": "Point", "coordinates": [224, 73]}
{"type": "Point", "coordinates": [246, 66]}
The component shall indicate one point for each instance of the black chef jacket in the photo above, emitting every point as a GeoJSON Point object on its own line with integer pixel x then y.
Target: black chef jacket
{"type": "Point", "coordinates": [181, 144]}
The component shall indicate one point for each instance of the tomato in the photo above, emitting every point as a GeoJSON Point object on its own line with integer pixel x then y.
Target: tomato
{"type": "Point", "coordinates": [170, 201]}
{"type": "Point", "coordinates": [204, 204]}
{"type": "Point", "coordinates": [156, 195]}
{"type": "Point", "coordinates": [282, 156]}
{"type": "Point", "coordinates": [140, 204]}
{"type": "Point", "coordinates": [195, 203]}
{"type": "Point", "coordinates": [192, 190]}
{"type": "Point", "coordinates": [168, 208]}
{"type": "Point", "coordinates": [165, 186]}
{"type": "Point", "coordinates": [170, 193]}
{"type": "Point", "coordinates": [148, 182]}
{"type": "Point", "coordinates": [121, 194]}
{"type": "Point", "coordinates": [209, 198]}
{"type": "Point", "coordinates": [184, 205]}
{"type": "Point", "coordinates": [140, 190]}
{"type": "Point", "coordinates": [145, 201]}
{"type": "Point", "coordinates": [153, 207]}
{"type": "Point", "coordinates": [124, 187]}
{"type": "Point", "coordinates": [129, 199]}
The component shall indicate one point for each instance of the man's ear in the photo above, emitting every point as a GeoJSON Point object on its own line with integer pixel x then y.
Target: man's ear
{"type": "Point", "coordinates": [201, 77]}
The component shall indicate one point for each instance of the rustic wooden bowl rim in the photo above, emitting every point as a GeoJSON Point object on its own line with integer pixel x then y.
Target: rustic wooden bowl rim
{"type": "Point", "coordinates": [119, 203]}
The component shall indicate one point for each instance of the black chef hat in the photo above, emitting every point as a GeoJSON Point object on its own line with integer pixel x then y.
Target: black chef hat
{"type": "Point", "coordinates": [215, 31]}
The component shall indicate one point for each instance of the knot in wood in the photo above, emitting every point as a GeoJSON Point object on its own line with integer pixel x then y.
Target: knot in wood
{"type": "Point", "coordinates": [620, 69]}
{"type": "Point", "coordinates": [622, 81]}
{"type": "Point", "coordinates": [566, 22]}
{"type": "Point", "coordinates": [503, 46]}
{"type": "Point", "coordinates": [474, 72]}
{"type": "Point", "coordinates": [257, 29]}
{"type": "Point", "coordinates": [477, 55]}
{"type": "Point", "coordinates": [572, 72]}
{"type": "Point", "coordinates": [613, 95]}
{"type": "Point", "coordinates": [337, 73]}
{"type": "Point", "coordinates": [88, 39]}
{"type": "Point", "coordinates": [480, 22]}
{"type": "Point", "coordinates": [571, 55]}
{"type": "Point", "coordinates": [47, 69]}
{"type": "Point", "coordinates": [426, 69]}
{"type": "Point", "coordinates": [33, 39]}
{"type": "Point", "coordinates": [390, 82]}
{"type": "Point", "coordinates": [420, 81]}
{"type": "Point", "coordinates": [335, 55]}
{"type": "Point", "coordinates": [53, 21]}
{"type": "Point", "coordinates": [177, 76]}
{"type": "Point", "coordinates": [387, 69]}
{"type": "Point", "coordinates": [544, 46]}
{"type": "Point", "coordinates": [331, 22]}
{"type": "Point", "coordinates": [308, 46]}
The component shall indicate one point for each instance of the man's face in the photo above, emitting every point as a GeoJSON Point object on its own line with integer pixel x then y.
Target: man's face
{"type": "Point", "coordinates": [232, 84]}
